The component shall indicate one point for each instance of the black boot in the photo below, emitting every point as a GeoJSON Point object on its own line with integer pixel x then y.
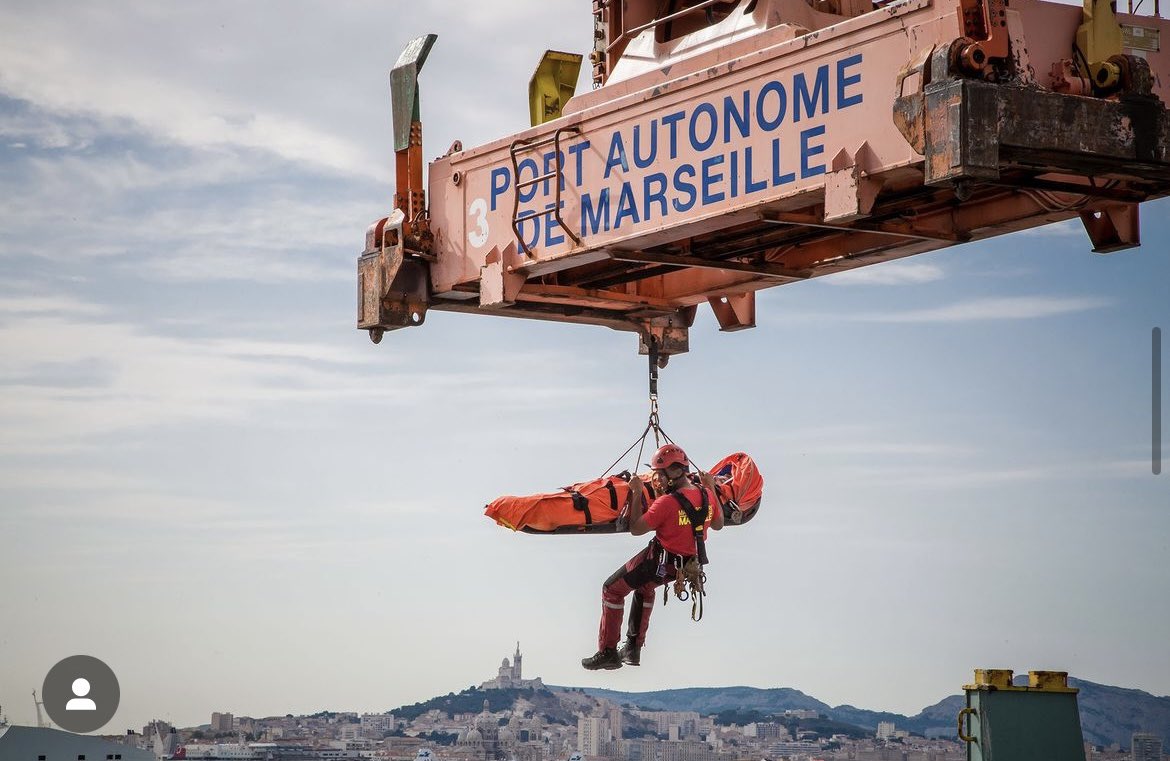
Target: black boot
{"type": "Point", "coordinates": [603, 659]}
{"type": "Point", "coordinates": [631, 654]}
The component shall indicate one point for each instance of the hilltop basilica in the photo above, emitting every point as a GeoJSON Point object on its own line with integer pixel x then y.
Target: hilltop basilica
{"type": "Point", "coordinates": [513, 737]}
{"type": "Point", "coordinates": [510, 678]}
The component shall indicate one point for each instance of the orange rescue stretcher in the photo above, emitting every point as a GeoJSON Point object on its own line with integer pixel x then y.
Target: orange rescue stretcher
{"type": "Point", "coordinates": [600, 506]}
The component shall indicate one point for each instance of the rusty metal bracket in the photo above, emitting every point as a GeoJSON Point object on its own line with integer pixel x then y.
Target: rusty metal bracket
{"type": "Point", "coordinates": [909, 104]}
{"type": "Point", "coordinates": [393, 290]}
{"type": "Point", "coordinates": [410, 195]}
{"type": "Point", "coordinates": [499, 283]}
{"type": "Point", "coordinates": [850, 190]}
{"type": "Point", "coordinates": [985, 24]}
{"type": "Point", "coordinates": [964, 713]}
{"type": "Point", "coordinates": [1114, 227]}
{"type": "Point", "coordinates": [671, 333]}
{"type": "Point", "coordinates": [735, 312]}
{"type": "Point", "coordinates": [1019, 61]}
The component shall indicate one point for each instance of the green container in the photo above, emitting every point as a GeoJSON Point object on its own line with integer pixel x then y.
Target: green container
{"type": "Point", "coordinates": [1039, 722]}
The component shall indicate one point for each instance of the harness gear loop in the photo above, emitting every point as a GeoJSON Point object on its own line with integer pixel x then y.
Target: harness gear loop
{"type": "Point", "coordinates": [695, 578]}
{"type": "Point", "coordinates": [689, 577]}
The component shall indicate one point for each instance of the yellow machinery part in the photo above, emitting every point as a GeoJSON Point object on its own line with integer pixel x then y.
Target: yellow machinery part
{"type": "Point", "coordinates": [552, 84]}
{"type": "Point", "coordinates": [1098, 40]}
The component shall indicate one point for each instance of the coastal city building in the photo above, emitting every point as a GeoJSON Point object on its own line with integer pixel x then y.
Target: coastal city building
{"type": "Point", "coordinates": [1145, 747]}
{"type": "Point", "coordinates": [593, 733]}
{"type": "Point", "coordinates": [375, 725]}
{"type": "Point", "coordinates": [222, 722]}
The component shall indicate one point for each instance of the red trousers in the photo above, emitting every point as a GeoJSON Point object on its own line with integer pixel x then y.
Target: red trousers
{"type": "Point", "coordinates": [640, 576]}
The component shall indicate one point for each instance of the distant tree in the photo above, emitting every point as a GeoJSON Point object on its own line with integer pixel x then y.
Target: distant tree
{"type": "Point", "coordinates": [738, 716]}
{"type": "Point", "coordinates": [198, 735]}
{"type": "Point", "coordinates": [440, 738]}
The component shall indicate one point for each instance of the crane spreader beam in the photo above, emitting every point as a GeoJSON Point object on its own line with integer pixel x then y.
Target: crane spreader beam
{"type": "Point", "coordinates": [751, 144]}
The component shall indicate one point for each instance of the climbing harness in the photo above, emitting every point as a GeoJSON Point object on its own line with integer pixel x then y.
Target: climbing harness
{"type": "Point", "coordinates": [690, 578]}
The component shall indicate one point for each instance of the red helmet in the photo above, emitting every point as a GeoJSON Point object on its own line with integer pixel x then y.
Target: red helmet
{"type": "Point", "coordinates": [667, 455]}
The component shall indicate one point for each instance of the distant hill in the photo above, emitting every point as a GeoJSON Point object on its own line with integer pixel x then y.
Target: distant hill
{"type": "Point", "coordinates": [1108, 714]}
{"type": "Point", "coordinates": [1114, 714]}
{"type": "Point", "coordinates": [471, 700]}
{"type": "Point", "coordinates": [708, 700]}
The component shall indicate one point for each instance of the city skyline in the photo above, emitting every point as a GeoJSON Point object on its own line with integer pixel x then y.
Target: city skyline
{"type": "Point", "coordinates": [210, 480]}
{"type": "Point", "coordinates": [228, 725]}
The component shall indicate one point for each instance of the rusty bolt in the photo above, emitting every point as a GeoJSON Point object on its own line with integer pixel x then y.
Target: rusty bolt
{"type": "Point", "coordinates": [972, 59]}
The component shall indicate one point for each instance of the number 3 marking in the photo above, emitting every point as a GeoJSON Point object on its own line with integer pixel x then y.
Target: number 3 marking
{"type": "Point", "coordinates": [478, 211]}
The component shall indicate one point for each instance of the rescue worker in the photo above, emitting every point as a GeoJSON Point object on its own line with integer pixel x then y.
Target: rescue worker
{"type": "Point", "coordinates": [673, 544]}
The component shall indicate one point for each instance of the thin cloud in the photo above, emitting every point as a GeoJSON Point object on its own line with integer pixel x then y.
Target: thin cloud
{"type": "Point", "coordinates": [892, 273]}
{"type": "Point", "coordinates": [48, 305]}
{"type": "Point", "coordinates": [849, 440]}
{"type": "Point", "coordinates": [1009, 308]}
{"type": "Point", "coordinates": [976, 475]}
{"type": "Point", "coordinates": [1066, 229]}
{"type": "Point", "coordinates": [211, 216]}
{"type": "Point", "coordinates": [879, 448]}
{"type": "Point", "coordinates": [34, 130]}
{"type": "Point", "coordinates": [969, 310]}
{"type": "Point", "coordinates": [311, 91]}
{"type": "Point", "coordinates": [113, 90]}
{"type": "Point", "coordinates": [111, 377]}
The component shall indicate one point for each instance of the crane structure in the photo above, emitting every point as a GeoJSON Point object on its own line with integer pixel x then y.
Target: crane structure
{"type": "Point", "coordinates": [733, 145]}
{"type": "Point", "coordinates": [40, 718]}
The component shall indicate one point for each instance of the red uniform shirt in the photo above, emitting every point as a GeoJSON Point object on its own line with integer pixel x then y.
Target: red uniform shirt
{"type": "Point", "coordinates": [665, 515]}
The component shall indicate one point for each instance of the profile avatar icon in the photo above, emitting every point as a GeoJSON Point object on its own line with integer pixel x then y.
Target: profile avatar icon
{"type": "Point", "coordinates": [80, 702]}
{"type": "Point", "coordinates": [81, 694]}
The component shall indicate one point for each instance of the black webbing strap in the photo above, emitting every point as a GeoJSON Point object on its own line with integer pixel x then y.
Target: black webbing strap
{"type": "Point", "coordinates": [698, 519]}
{"type": "Point", "coordinates": [582, 504]}
{"type": "Point", "coordinates": [613, 500]}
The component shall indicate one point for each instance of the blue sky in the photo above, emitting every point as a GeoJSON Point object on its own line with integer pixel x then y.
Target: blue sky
{"type": "Point", "coordinates": [212, 481]}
